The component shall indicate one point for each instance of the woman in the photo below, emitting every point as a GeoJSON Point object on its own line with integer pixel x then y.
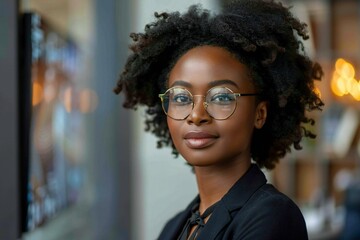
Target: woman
{"type": "Point", "coordinates": [228, 92]}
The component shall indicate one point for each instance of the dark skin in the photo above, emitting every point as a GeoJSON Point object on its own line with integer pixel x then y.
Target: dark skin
{"type": "Point", "coordinates": [219, 150]}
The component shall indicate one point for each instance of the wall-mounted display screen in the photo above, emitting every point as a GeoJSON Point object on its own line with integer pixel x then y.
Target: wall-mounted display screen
{"type": "Point", "coordinates": [51, 124]}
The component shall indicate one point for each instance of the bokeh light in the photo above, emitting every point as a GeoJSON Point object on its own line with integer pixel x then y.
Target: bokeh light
{"type": "Point", "coordinates": [343, 81]}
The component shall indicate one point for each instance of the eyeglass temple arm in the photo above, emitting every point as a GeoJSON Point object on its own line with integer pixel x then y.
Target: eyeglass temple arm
{"type": "Point", "coordinates": [161, 95]}
{"type": "Point", "coordinates": [245, 94]}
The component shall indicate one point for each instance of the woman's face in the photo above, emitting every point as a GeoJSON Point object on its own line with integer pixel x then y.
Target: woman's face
{"type": "Point", "coordinates": [201, 139]}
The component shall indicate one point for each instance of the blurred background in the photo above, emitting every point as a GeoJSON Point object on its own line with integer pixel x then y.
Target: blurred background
{"type": "Point", "coordinates": [76, 165]}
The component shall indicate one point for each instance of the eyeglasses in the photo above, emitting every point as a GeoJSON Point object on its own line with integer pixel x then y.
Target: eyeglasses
{"type": "Point", "coordinates": [220, 102]}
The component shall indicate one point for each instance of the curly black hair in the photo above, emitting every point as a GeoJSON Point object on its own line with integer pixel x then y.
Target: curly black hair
{"type": "Point", "coordinates": [263, 35]}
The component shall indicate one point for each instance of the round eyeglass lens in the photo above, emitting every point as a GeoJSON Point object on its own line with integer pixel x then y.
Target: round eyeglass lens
{"type": "Point", "coordinates": [177, 103]}
{"type": "Point", "coordinates": [220, 102]}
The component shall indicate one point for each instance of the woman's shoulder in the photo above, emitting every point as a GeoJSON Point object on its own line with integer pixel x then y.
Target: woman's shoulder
{"type": "Point", "coordinates": [267, 201]}
{"type": "Point", "coordinates": [269, 213]}
{"type": "Point", "coordinates": [269, 194]}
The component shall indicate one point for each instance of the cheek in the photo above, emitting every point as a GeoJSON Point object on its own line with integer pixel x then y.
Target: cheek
{"type": "Point", "coordinates": [235, 131]}
{"type": "Point", "coordinates": [174, 129]}
{"type": "Point", "coordinates": [238, 128]}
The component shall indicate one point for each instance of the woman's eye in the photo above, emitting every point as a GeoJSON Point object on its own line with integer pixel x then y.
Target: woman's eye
{"type": "Point", "coordinates": [222, 98]}
{"type": "Point", "coordinates": [181, 98]}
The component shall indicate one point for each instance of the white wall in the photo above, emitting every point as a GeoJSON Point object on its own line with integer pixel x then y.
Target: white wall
{"type": "Point", "coordinates": [163, 185]}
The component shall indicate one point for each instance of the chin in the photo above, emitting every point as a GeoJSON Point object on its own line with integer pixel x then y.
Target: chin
{"type": "Point", "coordinates": [200, 161]}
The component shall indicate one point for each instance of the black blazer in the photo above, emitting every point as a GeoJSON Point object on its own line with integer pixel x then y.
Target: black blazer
{"type": "Point", "coordinates": [251, 210]}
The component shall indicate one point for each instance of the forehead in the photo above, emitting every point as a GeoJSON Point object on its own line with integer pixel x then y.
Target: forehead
{"type": "Point", "coordinates": [203, 65]}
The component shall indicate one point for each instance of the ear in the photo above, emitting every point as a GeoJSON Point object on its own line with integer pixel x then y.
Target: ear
{"type": "Point", "coordinates": [260, 114]}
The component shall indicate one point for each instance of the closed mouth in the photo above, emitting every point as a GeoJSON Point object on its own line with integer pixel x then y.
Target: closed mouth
{"type": "Point", "coordinates": [198, 139]}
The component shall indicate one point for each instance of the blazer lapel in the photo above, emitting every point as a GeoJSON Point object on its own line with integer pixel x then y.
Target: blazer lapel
{"type": "Point", "coordinates": [237, 196]}
{"type": "Point", "coordinates": [218, 220]}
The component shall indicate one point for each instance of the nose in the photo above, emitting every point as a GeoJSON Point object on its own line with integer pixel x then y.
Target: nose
{"type": "Point", "coordinates": [199, 115]}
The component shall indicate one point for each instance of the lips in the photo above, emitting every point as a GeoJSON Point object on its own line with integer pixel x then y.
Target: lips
{"type": "Point", "coordinates": [199, 139]}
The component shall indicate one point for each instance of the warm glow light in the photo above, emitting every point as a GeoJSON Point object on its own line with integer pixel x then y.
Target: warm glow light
{"type": "Point", "coordinates": [338, 64]}
{"type": "Point", "coordinates": [88, 101]}
{"type": "Point", "coordinates": [343, 81]}
{"type": "Point", "coordinates": [334, 85]}
{"type": "Point", "coordinates": [345, 69]}
{"type": "Point", "coordinates": [341, 85]}
{"type": "Point", "coordinates": [355, 91]}
{"type": "Point", "coordinates": [37, 93]}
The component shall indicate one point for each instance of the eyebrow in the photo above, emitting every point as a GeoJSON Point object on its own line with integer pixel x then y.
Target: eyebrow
{"type": "Point", "coordinates": [222, 82]}
{"type": "Point", "coordinates": [181, 83]}
{"type": "Point", "coordinates": [210, 84]}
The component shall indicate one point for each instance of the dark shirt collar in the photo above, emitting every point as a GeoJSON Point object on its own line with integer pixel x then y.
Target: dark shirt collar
{"type": "Point", "coordinates": [241, 191]}
{"type": "Point", "coordinates": [244, 188]}
{"type": "Point", "coordinates": [234, 199]}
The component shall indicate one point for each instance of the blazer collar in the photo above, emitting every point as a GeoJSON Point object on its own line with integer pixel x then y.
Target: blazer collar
{"type": "Point", "coordinates": [234, 199]}
{"type": "Point", "coordinates": [244, 188]}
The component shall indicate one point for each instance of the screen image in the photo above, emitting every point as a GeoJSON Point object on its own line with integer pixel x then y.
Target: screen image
{"type": "Point", "coordinates": [52, 170]}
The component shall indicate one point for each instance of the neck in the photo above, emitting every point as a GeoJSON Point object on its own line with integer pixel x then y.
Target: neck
{"type": "Point", "coordinates": [214, 181]}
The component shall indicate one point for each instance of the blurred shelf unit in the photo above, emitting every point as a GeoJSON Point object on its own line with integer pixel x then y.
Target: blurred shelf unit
{"type": "Point", "coordinates": [327, 164]}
